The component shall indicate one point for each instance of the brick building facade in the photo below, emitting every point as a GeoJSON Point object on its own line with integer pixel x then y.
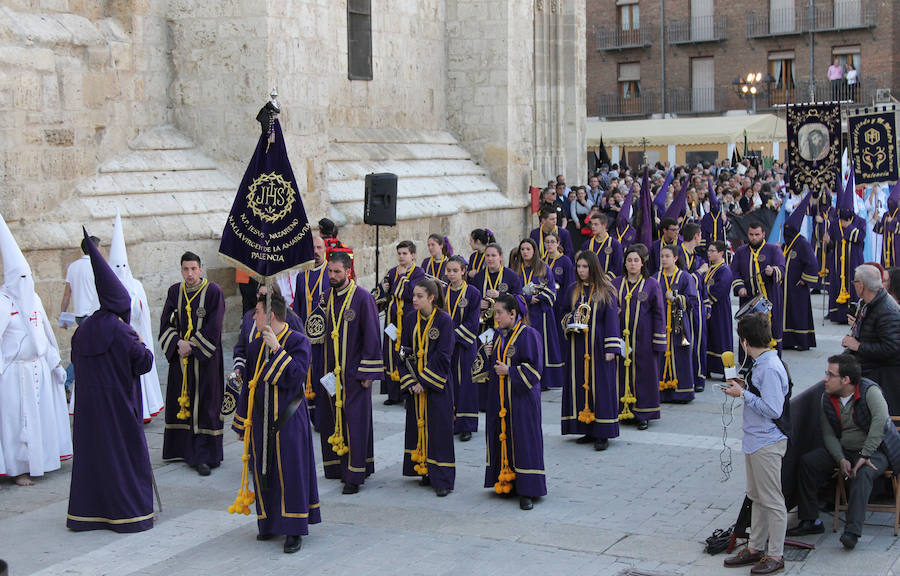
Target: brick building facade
{"type": "Point", "coordinates": [707, 44]}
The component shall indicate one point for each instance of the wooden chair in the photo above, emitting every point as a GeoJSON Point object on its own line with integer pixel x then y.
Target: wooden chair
{"type": "Point", "coordinates": [840, 494]}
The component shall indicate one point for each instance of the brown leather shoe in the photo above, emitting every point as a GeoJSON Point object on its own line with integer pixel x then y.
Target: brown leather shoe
{"type": "Point", "coordinates": [743, 558]}
{"type": "Point", "coordinates": [768, 565]}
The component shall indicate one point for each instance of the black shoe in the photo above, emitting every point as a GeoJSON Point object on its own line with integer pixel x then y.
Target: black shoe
{"type": "Point", "coordinates": [425, 481]}
{"type": "Point", "coordinates": [643, 424]}
{"type": "Point", "coordinates": [390, 402]}
{"type": "Point", "coordinates": [849, 540]}
{"type": "Point", "coordinates": [350, 488]}
{"type": "Point", "coordinates": [264, 537]}
{"type": "Point", "coordinates": [292, 544]}
{"type": "Point", "coordinates": [465, 436]}
{"type": "Point", "coordinates": [587, 439]}
{"type": "Point", "coordinates": [699, 388]}
{"type": "Point", "coordinates": [203, 469]}
{"type": "Point", "coordinates": [601, 444]}
{"type": "Point", "coordinates": [441, 492]}
{"type": "Point", "coordinates": [525, 503]}
{"type": "Point", "coordinates": [807, 527]}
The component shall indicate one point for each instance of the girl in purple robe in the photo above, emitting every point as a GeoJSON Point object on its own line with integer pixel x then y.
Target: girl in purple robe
{"type": "Point", "coordinates": [439, 252]}
{"type": "Point", "coordinates": [462, 303]}
{"type": "Point", "coordinates": [429, 407]}
{"type": "Point", "coordinates": [478, 242]}
{"type": "Point", "coordinates": [513, 433]}
{"type": "Point", "coordinates": [720, 332]}
{"type": "Point", "coordinates": [539, 289]}
{"type": "Point", "coordinates": [590, 404]}
{"type": "Point", "coordinates": [643, 332]}
{"type": "Point", "coordinates": [676, 381]}
{"type": "Point", "coordinates": [564, 272]}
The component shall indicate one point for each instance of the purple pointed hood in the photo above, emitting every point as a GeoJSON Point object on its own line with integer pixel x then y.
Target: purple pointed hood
{"type": "Point", "coordinates": [794, 222]}
{"type": "Point", "coordinates": [660, 200]}
{"type": "Point", "coordinates": [845, 198]}
{"type": "Point", "coordinates": [713, 201]}
{"type": "Point", "coordinates": [679, 202]}
{"type": "Point", "coordinates": [893, 200]}
{"type": "Point", "coordinates": [113, 295]}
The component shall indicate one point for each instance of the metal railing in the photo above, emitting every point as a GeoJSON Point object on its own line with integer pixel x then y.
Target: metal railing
{"type": "Point", "coordinates": [698, 29]}
{"type": "Point", "coordinates": [614, 38]}
{"type": "Point", "coordinates": [861, 92]}
{"type": "Point", "coordinates": [696, 100]}
{"type": "Point", "coordinates": [779, 22]}
{"type": "Point", "coordinates": [615, 106]}
{"type": "Point", "coordinates": [833, 16]}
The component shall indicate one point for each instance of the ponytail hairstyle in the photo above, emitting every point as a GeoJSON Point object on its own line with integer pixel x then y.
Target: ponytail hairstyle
{"type": "Point", "coordinates": [675, 253]}
{"type": "Point", "coordinates": [432, 289]}
{"type": "Point", "coordinates": [459, 260]}
{"type": "Point", "coordinates": [483, 236]}
{"type": "Point", "coordinates": [446, 248]}
{"type": "Point", "coordinates": [514, 303]}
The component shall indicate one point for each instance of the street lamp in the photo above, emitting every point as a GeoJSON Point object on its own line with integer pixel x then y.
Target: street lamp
{"type": "Point", "coordinates": [752, 85]}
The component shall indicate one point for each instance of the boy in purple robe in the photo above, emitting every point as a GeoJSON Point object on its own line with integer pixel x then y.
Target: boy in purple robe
{"type": "Point", "coordinates": [800, 272]}
{"type": "Point", "coordinates": [758, 268]}
{"type": "Point", "coordinates": [548, 224]}
{"type": "Point", "coordinates": [513, 433]}
{"type": "Point", "coordinates": [398, 283]}
{"type": "Point", "coordinates": [462, 305]}
{"type": "Point", "coordinates": [282, 460]}
{"type": "Point", "coordinates": [846, 239]}
{"type": "Point", "coordinates": [644, 335]}
{"type": "Point", "coordinates": [190, 336]}
{"type": "Point", "coordinates": [889, 228]}
{"type": "Point", "coordinates": [428, 442]}
{"type": "Point", "coordinates": [353, 356]}
{"type": "Point", "coordinates": [677, 372]}
{"type": "Point", "coordinates": [605, 247]}
{"type": "Point", "coordinates": [697, 266]}
{"type": "Point", "coordinates": [111, 475]}
{"type": "Point", "coordinates": [719, 325]}
{"type": "Point", "coordinates": [590, 404]}
{"type": "Point", "coordinates": [670, 237]}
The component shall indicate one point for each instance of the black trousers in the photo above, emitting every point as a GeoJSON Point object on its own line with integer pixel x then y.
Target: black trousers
{"type": "Point", "coordinates": [817, 466]}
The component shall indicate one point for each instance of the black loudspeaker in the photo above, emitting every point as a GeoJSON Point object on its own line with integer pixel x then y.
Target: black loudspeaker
{"type": "Point", "coordinates": [381, 199]}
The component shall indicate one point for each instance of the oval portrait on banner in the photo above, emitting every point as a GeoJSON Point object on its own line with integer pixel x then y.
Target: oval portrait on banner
{"type": "Point", "coordinates": [813, 141]}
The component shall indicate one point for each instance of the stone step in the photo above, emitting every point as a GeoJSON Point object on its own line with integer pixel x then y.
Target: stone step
{"type": "Point", "coordinates": [115, 183]}
{"type": "Point", "coordinates": [389, 135]}
{"type": "Point", "coordinates": [165, 137]}
{"type": "Point", "coordinates": [161, 204]}
{"type": "Point", "coordinates": [431, 206]}
{"type": "Point", "coordinates": [357, 170]}
{"type": "Point", "coordinates": [395, 151]}
{"type": "Point", "coordinates": [159, 161]}
{"type": "Point", "coordinates": [409, 188]}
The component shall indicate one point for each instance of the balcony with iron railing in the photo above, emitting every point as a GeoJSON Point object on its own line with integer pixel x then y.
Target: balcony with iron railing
{"type": "Point", "coordinates": [617, 106]}
{"type": "Point", "coordinates": [685, 101]}
{"type": "Point", "coordinates": [831, 17]}
{"type": "Point", "coordinates": [713, 28]}
{"type": "Point", "coordinates": [614, 38]}
{"type": "Point", "coordinates": [861, 92]}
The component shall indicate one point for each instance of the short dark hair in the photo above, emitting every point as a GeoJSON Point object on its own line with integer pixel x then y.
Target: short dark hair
{"type": "Point", "coordinates": [547, 211]}
{"type": "Point", "coordinates": [719, 245]}
{"type": "Point", "coordinates": [277, 305]}
{"type": "Point", "coordinates": [689, 231]}
{"type": "Point", "coordinates": [341, 258]}
{"type": "Point", "coordinates": [755, 329]}
{"type": "Point", "coordinates": [84, 244]}
{"type": "Point", "coordinates": [848, 366]}
{"type": "Point", "coordinates": [408, 244]}
{"type": "Point", "coordinates": [191, 257]}
{"type": "Point", "coordinates": [459, 260]}
{"type": "Point", "coordinates": [601, 218]}
{"type": "Point", "coordinates": [666, 222]}
{"type": "Point", "coordinates": [753, 225]}
{"type": "Point", "coordinates": [328, 228]}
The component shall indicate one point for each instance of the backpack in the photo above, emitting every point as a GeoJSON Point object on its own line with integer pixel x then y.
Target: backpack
{"type": "Point", "coordinates": [783, 422]}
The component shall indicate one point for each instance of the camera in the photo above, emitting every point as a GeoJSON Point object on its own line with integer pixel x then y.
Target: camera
{"type": "Point", "coordinates": [853, 308]}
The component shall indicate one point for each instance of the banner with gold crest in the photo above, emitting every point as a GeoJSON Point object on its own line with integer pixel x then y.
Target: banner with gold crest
{"type": "Point", "coordinates": [814, 145]}
{"type": "Point", "coordinates": [267, 232]}
{"type": "Point", "coordinates": [873, 144]}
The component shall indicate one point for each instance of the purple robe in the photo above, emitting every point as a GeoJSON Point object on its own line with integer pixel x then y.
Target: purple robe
{"type": "Point", "coordinates": [626, 235]}
{"type": "Point", "coordinates": [602, 337]}
{"type": "Point", "coordinates": [436, 268]}
{"type": "Point", "coordinates": [713, 228]}
{"type": "Point", "coordinates": [564, 272]}
{"type": "Point", "coordinates": [609, 252]}
{"type": "Point", "coordinates": [644, 334]}
{"type": "Point", "coordinates": [509, 283]}
{"type": "Point", "coordinates": [846, 246]}
{"type": "Point", "coordinates": [800, 272]}
{"type": "Point", "coordinates": [436, 401]}
{"type": "Point", "coordinates": [541, 317]}
{"type": "Point", "coordinates": [522, 401]}
{"type": "Point", "coordinates": [680, 358]}
{"type": "Point", "coordinates": [653, 263]}
{"type": "Point", "coordinates": [745, 275]}
{"type": "Point", "coordinates": [400, 299]}
{"type": "Point", "coordinates": [311, 285]}
{"type": "Point", "coordinates": [719, 325]}
{"type": "Point", "coordinates": [197, 440]}
{"type": "Point", "coordinates": [359, 357]}
{"type": "Point", "coordinates": [111, 484]}
{"type": "Point", "coordinates": [889, 228]}
{"type": "Point", "coordinates": [476, 264]}
{"type": "Point", "coordinates": [565, 241]}
{"type": "Point", "coordinates": [693, 263]}
{"type": "Point", "coordinates": [466, 315]}
{"type": "Point", "coordinates": [287, 502]}
{"type": "Point", "coordinates": [820, 209]}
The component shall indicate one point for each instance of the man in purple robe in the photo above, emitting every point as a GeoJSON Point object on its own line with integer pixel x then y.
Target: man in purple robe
{"type": "Point", "coordinates": [190, 336]}
{"type": "Point", "coordinates": [111, 475]}
{"type": "Point", "coordinates": [820, 210]}
{"type": "Point", "coordinates": [311, 286]}
{"type": "Point", "coordinates": [846, 238]}
{"type": "Point", "coordinates": [714, 223]}
{"type": "Point", "coordinates": [607, 248]}
{"type": "Point", "coordinates": [719, 326]}
{"type": "Point", "coordinates": [548, 224]}
{"type": "Point", "coordinates": [889, 228]}
{"type": "Point", "coordinates": [677, 372]}
{"type": "Point", "coordinates": [800, 272]}
{"type": "Point", "coordinates": [282, 460]}
{"type": "Point", "coordinates": [398, 284]}
{"type": "Point", "coordinates": [697, 266]}
{"type": "Point", "coordinates": [758, 268]}
{"type": "Point", "coordinates": [353, 357]}
{"type": "Point", "coordinates": [670, 237]}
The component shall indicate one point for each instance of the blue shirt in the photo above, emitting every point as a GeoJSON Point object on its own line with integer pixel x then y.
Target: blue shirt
{"type": "Point", "coordinates": [769, 376]}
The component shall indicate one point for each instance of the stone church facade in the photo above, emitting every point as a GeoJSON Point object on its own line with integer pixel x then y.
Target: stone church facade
{"type": "Point", "coordinates": [149, 106]}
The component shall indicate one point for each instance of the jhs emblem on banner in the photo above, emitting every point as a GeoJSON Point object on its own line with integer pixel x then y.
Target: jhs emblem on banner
{"type": "Point", "coordinates": [873, 143]}
{"type": "Point", "coordinates": [270, 197]}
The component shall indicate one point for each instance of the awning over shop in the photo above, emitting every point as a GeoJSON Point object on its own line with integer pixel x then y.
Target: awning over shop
{"type": "Point", "coordinates": [687, 131]}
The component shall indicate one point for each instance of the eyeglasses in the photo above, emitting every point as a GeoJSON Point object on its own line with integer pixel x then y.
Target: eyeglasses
{"type": "Point", "coordinates": [830, 374]}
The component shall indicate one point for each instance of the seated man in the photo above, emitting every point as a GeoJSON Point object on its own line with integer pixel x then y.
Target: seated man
{"type": "Point", "coordinates": [859, 439]}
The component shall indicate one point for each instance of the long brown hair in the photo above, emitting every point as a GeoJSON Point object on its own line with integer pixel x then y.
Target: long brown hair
{"type": "Point", "coordinates": [596, 277]}
{"type": "Point", "coordinates": [517, 263]}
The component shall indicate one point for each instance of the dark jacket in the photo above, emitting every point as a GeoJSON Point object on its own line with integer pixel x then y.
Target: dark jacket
{"type": "Point", "coordinates": [879, 346]}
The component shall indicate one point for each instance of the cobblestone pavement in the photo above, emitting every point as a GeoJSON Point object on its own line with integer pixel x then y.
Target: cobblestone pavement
{"type": "Point", "coordinates": [645, 506]}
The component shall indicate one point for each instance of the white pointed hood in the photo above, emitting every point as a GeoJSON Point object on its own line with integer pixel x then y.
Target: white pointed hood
{"type": "Point", "coordinates": [18, 284]}
{"type": "Point", "coordinates": [118, 257]}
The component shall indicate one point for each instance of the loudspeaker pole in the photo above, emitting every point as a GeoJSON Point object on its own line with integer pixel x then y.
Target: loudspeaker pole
{"type": "Point", "coordinates": [377, 253]}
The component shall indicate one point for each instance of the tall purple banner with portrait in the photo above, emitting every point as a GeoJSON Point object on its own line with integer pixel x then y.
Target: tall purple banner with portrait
{"type": "Point", "coordinates": [873, 145]}
{"type": "Point", "coordinates": [814, 145]}
{"type": "Point", "coordinates": [267, 232]}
